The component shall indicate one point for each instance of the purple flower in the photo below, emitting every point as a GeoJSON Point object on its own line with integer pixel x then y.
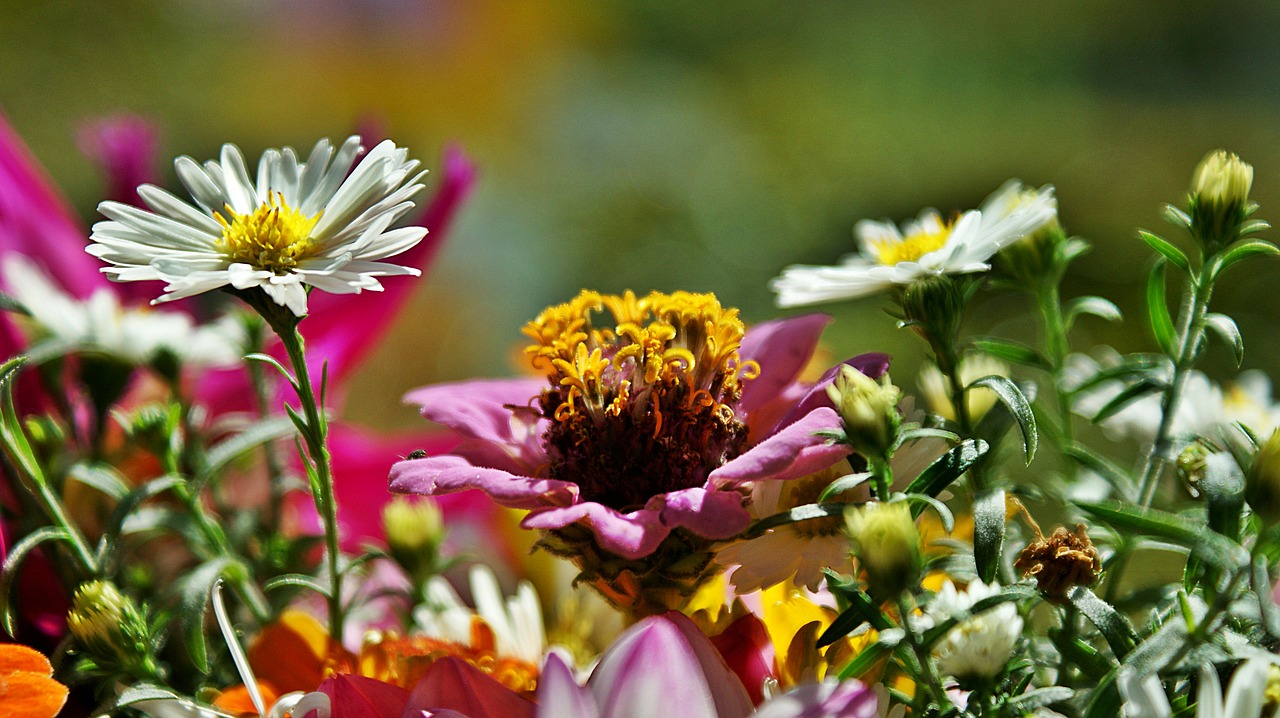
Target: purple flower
{"type": "Point", "coordinates": [645, 426]}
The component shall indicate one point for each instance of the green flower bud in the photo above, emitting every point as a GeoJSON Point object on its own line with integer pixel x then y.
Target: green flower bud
{"type": "Point", "coordinates": [154, 428]}
{"type": "Point", "coordinates": [415, 531]}
{"type": "Point", "coordinates": [1262, 484]}
{"type": "Point", "coordinates": [887, 546]}
{"type": "Point", "coordinates": [934, 306]}
{"type": "Point", "coordinates": [1034, 259]}
{"type": "Point", "coordinates": [109, 626]}
{"type": "Point", "coordinates": [1219, 199]}
{"type": "Point", "coordinates": [868, 408]}
{"type": "Point", "coordinates": [1191, 464]}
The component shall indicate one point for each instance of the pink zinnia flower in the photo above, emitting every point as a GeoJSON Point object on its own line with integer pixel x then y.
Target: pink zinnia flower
{"type": "Point", "coordinates": [645, 426]}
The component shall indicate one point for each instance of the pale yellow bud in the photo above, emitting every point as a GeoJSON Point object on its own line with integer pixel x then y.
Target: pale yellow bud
{"type": "Point", "coordinates": [415, 530]}
{"type": "Point", "coordinates": [1262, 484]}
{"type": "Point", "coordinates": [1223, 179]}
{"type": "Point", "coordinates": [935, 388]}
{"type": "Point", "coordinates": [887, 546]}
{"type": "Point", "coordinates": [869, 409]}
{"type": "Point", "coordinates": [109, 626]}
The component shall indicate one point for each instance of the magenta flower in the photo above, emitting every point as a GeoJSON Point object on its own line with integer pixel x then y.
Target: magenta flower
{"type": "Point", "coordinates": [646, 429]}
{"type": "Point", "coordinates": [125, 148]}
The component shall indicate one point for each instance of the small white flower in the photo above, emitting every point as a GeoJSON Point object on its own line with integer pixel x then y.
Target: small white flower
{"type": "Point", "coordinates": [516, 621]}
{"type": "Point", "coordinates": [978, 647]}
{"type": "Point", "coordinates": [299, 225]}
{"type": "Point", "coordinates": [99, 323]}
{"type": "Point", "coordinates": [925, 247]}
{"type": "Point", "coordinates": [1145, 698]}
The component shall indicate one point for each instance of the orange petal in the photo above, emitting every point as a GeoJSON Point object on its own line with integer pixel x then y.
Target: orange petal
{"type": "Point", "coordinates": [290, 653]}
{"type": "Point", "coordinates": [236, 700]}
{"type": "Point", "coordinates": [30, 695]}
{"type": "Point", "coordinates": [17, 657]}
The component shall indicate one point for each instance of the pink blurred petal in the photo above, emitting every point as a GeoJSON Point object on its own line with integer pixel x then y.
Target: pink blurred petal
{"type": "Point", "coordinates": [36, 221]}
{"type": "Point", "coordinates": [559, 695]}
{"type": "Point", "coordinates": [352, 696]}
{"type": "Point", "coordinates": [455, 685]}
{"type": "Point", "coordinates": [480, 410]}
{"type": "Point", "coordinates": [631, 535]}
{"type": "Point", "coordinates": [829, 699]}
{"type": "Point", "coordinates": [125, 148]}
{"type": "Point", "coordinates": [343, 329]}
{"type": "Point", "coordinates": [789, 454]}
{"type": "Point", "coordinates": [448, 474]}
{"type": "Point", "coordinates": [711, 514]}
{"type": "Point", "coordinates": [873, 365]}
{"type": "Point", "coordinates": [782, 348]}
{"type": "Point", "coordinates": [747, 650]}
{"type": "Point", "coordinates": [664, 663]}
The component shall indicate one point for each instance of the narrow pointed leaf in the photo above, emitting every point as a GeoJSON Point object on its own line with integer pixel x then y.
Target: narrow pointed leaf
{"type": "Point", "coordinates": [1012, 352]}
{"type": "Point", "coordinates": [1170, 252]}
{"type": "Point", "coordinates": [196, 586]}
{"type": "Point", "coordinates": [1158, 310]}
{"type": "Point", "coordinates": [949, 467]}
{"type": "Point", "coordinates": [1226, 328]}
{"type": "Point", "coordinates": [799, 513]}
{"type": "Point", "coordinates": [227, 450]}
{"type": "Point", "coordinates": [1014, 400]}
{"type": "Point", "coordinates": [988, 532]}
{"type": "Point", "coordinates": [1094, 306]}
{"type": "Point", "coordinates": [1115, 628]}
{"type": "Point", "coordinates": [1130, 394]}
{"type": "Point", "coordinates": [13, 561]}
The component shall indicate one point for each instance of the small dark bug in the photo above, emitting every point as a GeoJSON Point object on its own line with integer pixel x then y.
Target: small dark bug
{"type": "Point", "coordinates": [417, 454]}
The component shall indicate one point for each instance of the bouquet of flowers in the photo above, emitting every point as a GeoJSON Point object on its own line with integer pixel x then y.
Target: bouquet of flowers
{"type": "Point", "coordinates": [672, 509]}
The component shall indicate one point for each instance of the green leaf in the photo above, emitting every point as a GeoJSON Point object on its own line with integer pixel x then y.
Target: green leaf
{"type": "Point", "coordinates": [949, 467]}
{"type": "Point", "coordinates": [1223, 488]}
{"type": "Point", "coordinates": [799, 513]}
{"type": "Point", "coordinates": [1127, 396]}
{"type": "Point", "coordinates": [227, 450]}
{"type": "Point", "coordinates": [1094, 306]}
{"type": "Point", "coordinates": [1158, 310]}
{"type": "Point", "coordinates": [196, 586]}
{"type": "Point", "coordinates": [1102, 466]}
{"type": "Point", "coordinates": [1131, 366]}
{"type": "Point", "coordinates": [1225, 327]}
{"type": "Point", "coordinates": [872, 654]}
{"type": "Point", "coordinates": [102, 477]}
{"type": "Point", "coordinates": [1170, 252]}
{"type": "Point", "coordinates": [1252, 226]}
{"type": "Point", "coordinates": [1088, 659]}
{"type": "Point", "coordinates": [843, 484]}
{"type": "Point", "coordinates": [299, 580]}
{"type": "Point", "coordinates": [143, 692]}
{"type": "Point", "coordinates": [13, 561]}
{"type": "Point", "coordinates": [1012, 352]}
{"type": "Point", "coordinates": [127, 505]}
{"type": "Point", "coordinates": [1261, 580]}
{"type": "Point", "coordinates": [988, 532]}
{"type": "Point", "coordinates": [1039, 698]}
{"type": "Point", "coordinates": [1115, 628]}
{"type": "Point", "coordinates": [858, 600]}
{"type": "Point", "coordinates": [1203, 542]}
{"type": "Point", "coordinates": [928, 433]}
{"type": "Point", "coordinates": [1241, 251]}
{"type": "Point", "coordinates": [1016, 592]}
{"type": "Point", "coordinates": [1177, 217]}
{"type": "Point", "coordinates": [1014, 400]}
{"type": "Point", "coordinates": [1106, 701]}
{"type": "Point", "coordinates": [274, 363]}
{"type": "Point", "coordinates": [944, 513]}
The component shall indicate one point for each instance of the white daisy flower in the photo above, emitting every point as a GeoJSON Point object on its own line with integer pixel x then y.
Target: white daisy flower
{"type": "Point", "coordinates": [299, 225]}
{"type": "Point", "coordinates": [978, 647]}
{"type": "Point", "coordinates": [518, 630]}
{"type": "Point", "coordinates": [1145, 698]}
{"type": "Point", "coordinates": [925, 247]}
{"type": "Point", "coordinates": [99, 323]}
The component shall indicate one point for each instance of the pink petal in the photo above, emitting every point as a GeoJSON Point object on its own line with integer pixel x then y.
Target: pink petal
{"type": "Point", "coordinates": [873, 365]}
{"type": "Point", "coordinates": [829, 699]}
{"type": "Point", "coordinates": [455, 685]}
{"type": "Point", "coordinates": [782, 348]}
{"type": "Point", "coordinates": [632, 535]}
{"type": "Point", "coordinates": [789, 454]}
{"type": "Point", "coordinates": [448, 474]}
{"type": "Point", "coordinates": [747, 650]}
{"type": "Point", "coordinates": [36, 221]}
{"type": "Point", "coordinates": [560, 696]}
{"type": "Point", "coordinates": [125, 148]}
{"type": "Point", "coordinates": [352, 696]}
{"type": "Point", "coordinates": [711, 514]}
{"type": "Point", "coordinates": [343, 329]}
{"type": "Point", "coordinates": [661, 663]}
{"type": "Point", "coordinates": [481, 410]}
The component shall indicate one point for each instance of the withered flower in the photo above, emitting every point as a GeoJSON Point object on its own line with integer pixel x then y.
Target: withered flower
{"type": "Point", "coordinates": [1062, 560]}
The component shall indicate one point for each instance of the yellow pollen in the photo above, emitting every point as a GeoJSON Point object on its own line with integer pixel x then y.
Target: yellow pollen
{"type": "Point", "coordinates": [911, 247]}
{"type": "Point", "coordinates": [274, 237]}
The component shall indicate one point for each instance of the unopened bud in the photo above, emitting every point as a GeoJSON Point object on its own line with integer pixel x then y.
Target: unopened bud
{"type": "Point", "coordinates": [1262, 484]}
{"type": "Point", "coordinates": [109, 626]}
{"type": "Point", "coordinates": [1220, 198]}
{"type": "Point", "coordinates": [1191, 464]}
{"type": "Point", "coordinates": [415, 530]}
{"type": "Point", "coordinates": [887, 546]}
{"type": "Point", "coordinates": [869, 409]}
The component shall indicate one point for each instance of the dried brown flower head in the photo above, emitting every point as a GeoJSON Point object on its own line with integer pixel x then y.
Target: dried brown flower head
{"type": "Point", "coordinates": [1062, 560]}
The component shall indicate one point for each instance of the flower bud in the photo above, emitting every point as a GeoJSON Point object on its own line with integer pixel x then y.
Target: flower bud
{"type": "Point", "coordinates": [1219, 199]}
{"type": "Point", "coordinates": [1262, 484]}
{"type": "Point", "coordinates": [415, 531]}
{"type": "Point", "coordinates": [887, 546]}
{"type": "Point", "coordinates": [109, 626]}
{"type": "Point", "coordinates": [1191, 464]}
{"type": "Point", "coordinates": [934, 306]}
{"type": "Point", "coordinates": [869, 409]}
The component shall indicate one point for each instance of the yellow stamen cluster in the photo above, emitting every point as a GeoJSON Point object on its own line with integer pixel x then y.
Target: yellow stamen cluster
{"type": "Point", "coordinates": [654, 343]}
{"type": "Point", "coordinates": [911, 247]}
{"type": "Point", "coordinates": [274, 237]}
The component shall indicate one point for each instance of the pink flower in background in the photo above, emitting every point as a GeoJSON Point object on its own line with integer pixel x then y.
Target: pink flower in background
{"type": "Point", "coordinates": [747, 649]}
{"type": "Point", "coordinates": [632, 438]}
{"type": "Point", "coordinates": [125, 148]}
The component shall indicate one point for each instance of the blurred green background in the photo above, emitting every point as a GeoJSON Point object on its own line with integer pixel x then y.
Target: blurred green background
{"type": "Point", "coordinates": [664, 144]}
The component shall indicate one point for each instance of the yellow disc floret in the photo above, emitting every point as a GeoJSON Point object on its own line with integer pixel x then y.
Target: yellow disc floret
{"type": "Point", "coordinates": [274, 237]}
{"type": "Point", "coordinates": [913, 246]}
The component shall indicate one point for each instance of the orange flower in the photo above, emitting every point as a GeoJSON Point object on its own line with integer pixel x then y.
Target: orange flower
{"type": "Point", "coordinates": [27, 688]}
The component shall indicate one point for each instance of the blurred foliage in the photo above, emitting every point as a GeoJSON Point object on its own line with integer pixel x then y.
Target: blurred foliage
{"type": "Point", "coordinates": [661, 144]}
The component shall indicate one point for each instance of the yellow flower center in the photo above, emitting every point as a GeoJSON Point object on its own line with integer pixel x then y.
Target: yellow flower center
{"type": "Point", "coordinates": [911, 247]}
{"type": "Point", "coordinates": [645, 404]}
{"type": "Point", "coordinates": [274, 237]}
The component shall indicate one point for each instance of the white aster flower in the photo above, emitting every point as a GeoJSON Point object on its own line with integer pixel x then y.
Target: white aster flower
{"type": "Point", "coordinates": [299, 225]}
{"type": "Point", "coordinates": [978, 647]}
{"type": "Point", "coordinates": [925, 247]}
{"type": "Point", "coordinates": [518, 630]}
{"type": "Point", "coordinates": [1145, 698]}
{"type": "Point", "coordinates": [99, 323]}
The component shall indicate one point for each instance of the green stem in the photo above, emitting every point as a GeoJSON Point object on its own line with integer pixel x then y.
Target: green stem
{"type": "Point", "coordinates": [275, 470]}
{"type": "Point", "coordinates": [930, 682]}
{"type": "Point", "coordinates": [1190, 334]}
{"type": "Point", "coordinates": [58, 515]}
{"type": "Point", "coordinates": [882, 476]}
{"type": "Point", "coordinates": [322, 481]}
{"type": "Point", "coordinates": [1057, 346]}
